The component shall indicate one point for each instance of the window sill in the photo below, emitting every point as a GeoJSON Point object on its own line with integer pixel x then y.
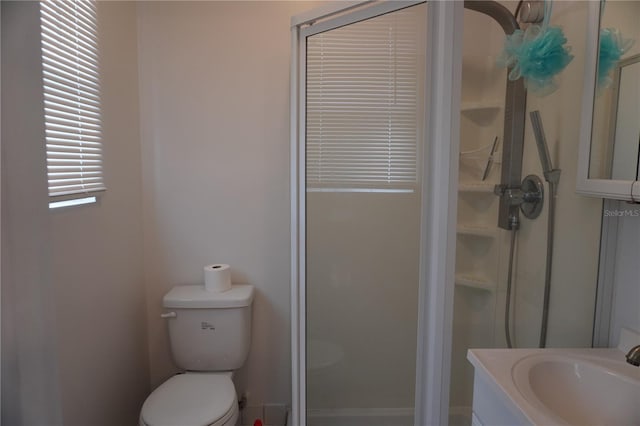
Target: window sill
{"type": "Point", "coordinates": [72, 202]}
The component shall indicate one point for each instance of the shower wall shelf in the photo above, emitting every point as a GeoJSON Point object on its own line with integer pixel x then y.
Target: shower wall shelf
{"type": "Point", "coordinates": [479, 106]}
{"type": "Point", "coordinates": [476, 231]}
{"type": "Point", "coordinates": [477, 283]}
{"type": "Point", "coordinates": [479, 242]}
{"type": "Point", "coordinates": [483, 114]}
{"type": "Point", "coordinates": [485, 187]}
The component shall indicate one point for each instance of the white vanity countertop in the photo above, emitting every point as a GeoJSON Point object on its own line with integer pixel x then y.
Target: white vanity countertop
{"type": "Point", "coordinates": [497, 365]}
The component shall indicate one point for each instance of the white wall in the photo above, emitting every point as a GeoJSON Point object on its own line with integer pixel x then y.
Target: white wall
{"type": "Point", "coordinates": [214, 98]}
{"type": "Point", "coordinates": [79, 270]}
{"type": "Point", "coordinates": [625, 310]}
{"type": "Point", "coordinates": [97, 254]}
{"type": "Point", "coordinates": [30, 393]}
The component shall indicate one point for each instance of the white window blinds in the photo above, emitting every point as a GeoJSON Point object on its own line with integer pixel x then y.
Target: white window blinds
{"type": "Point", "coordinates": [71, 97]}
{"type": "Point", "coordinates": [362, 93]}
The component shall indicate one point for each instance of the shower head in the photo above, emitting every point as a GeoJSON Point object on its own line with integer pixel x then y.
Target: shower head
{"type": "Point", "coordinates": [541, 142]}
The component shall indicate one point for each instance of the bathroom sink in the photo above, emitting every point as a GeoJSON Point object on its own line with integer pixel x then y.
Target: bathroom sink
{"type": "Point", "coordinates": [544, 387]}
{"type": "Point", "coordinates": [579, 390]}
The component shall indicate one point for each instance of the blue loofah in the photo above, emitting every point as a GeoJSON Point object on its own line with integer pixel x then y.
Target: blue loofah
{"type": "Point", "coordinates": [537, 54]}
{"type": "Point", "coordinates": [612, 47]}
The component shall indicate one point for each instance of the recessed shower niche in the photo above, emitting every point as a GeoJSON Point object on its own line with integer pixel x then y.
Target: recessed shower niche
{"type": "Point", "coordinates": [479, 242]}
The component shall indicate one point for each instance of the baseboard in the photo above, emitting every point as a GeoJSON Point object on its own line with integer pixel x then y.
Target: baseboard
{"type": "Point", "coordinates": [376, 416]}
{"type": "Point", "coordinates": [360, 417]}
{"type": "Point", "coordinates": [460, 416]}
{"type": "Point", "coordinates": [269, 414]}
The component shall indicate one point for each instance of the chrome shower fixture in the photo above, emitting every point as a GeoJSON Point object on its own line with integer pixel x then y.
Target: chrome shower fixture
{"type": "Point", "coordinates": [514, 120]}
{"type": "Point", "coordinates": [528, 197]}
{"type": "Point", "coordinates": [490, 160]}
{"type": "Point", "coordinates": [541, 141]}
{"type": "Point", "coordinates": [550, 174]}
{"type": "Point", "coordinates": [633, 356]}
{"type": "Point", "coordinates": [533, 197]}
{"type": "Point", "coordinates": [530, 12]}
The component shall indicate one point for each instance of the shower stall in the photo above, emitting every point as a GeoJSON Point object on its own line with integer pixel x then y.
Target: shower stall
{"type": "Point", "coordinates": [404, 247]}
{"type": "Point", "coordinates": [363, 84]}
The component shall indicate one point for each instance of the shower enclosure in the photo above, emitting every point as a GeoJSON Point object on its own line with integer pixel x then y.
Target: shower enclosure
{"type": "Point", "coordinates": [400, 244]}
{"type": "Point", "coordinates": [364, 120]}
{"type": "Point", "coordinates": [364, 116]}
{"type": "Point", "coordinates": [371, 231]}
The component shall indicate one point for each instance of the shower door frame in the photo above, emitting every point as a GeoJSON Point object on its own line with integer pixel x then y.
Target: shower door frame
{"type": "Point", "coordinates": [439, 165]}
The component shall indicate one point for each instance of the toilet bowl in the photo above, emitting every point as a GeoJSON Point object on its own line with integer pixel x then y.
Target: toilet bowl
{"type": "Point", "coordinates": [210, 335]}
{"type": "Point", "coordinates": [192, 399]}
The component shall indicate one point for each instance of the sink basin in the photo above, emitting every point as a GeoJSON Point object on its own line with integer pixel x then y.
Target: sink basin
{"type": "Point", "coordinates": [579, 390]}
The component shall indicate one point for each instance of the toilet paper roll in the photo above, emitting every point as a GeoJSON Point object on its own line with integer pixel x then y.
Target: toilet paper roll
{"type": "Point", "coordinates": [217, 278]}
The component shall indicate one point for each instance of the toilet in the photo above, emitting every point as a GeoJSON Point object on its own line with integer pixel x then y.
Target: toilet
{"type": "Point", "coordinates": [210, 334]}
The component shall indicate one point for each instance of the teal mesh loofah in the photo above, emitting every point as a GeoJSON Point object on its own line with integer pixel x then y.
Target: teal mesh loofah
{"type": "Point", "coordinates": [537, 54]}
{"type": "Point", "coordinates": [612, 47]}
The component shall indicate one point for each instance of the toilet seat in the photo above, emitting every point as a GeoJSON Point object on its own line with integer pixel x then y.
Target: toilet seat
{"type": "Point", "coordinates": [191, 399]}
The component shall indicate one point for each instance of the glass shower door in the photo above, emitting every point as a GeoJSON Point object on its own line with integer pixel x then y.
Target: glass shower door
{"type": "Point", "coordinates": [364, 124]}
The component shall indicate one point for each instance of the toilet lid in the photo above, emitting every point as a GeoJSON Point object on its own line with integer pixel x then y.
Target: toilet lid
{"type": "Point", "coordinates": [191, 399]}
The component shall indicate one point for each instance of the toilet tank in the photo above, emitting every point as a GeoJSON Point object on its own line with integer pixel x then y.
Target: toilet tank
{"type": "Point", "coordinates": [209, 331]}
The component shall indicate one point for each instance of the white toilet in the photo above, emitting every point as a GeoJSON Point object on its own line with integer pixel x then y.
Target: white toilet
{"type": "Point", "coordinates": [210, 335]}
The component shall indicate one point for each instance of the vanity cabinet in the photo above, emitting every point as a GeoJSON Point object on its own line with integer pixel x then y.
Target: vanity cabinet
{"type": "Point", "coordinates": [490, 406]}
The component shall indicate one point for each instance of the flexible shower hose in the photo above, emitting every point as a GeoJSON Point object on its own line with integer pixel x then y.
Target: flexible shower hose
{"type": "Point", "coordinates": [507, 314]}
{"type": "Point", "coordinates": [547, 276]}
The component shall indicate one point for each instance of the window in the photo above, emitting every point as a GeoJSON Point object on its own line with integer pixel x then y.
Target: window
{"type": "Point", "coordinates": [71, 99]}
{"type": "Point", "coordinates": [363, 94]}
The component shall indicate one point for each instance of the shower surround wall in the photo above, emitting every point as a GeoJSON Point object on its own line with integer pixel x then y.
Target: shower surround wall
{"type": "Point", "coordinates": [479, 314]}
{"type": "Point", "coordinates": [214, 102]}
{"type": "Point", "coordinates": [578, 218]}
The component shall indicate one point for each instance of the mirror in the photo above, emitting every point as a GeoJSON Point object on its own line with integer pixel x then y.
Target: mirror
{"type": "Point", "coordinates": [610, 145]}
{"type": "Point", "coordinates": [625, 121]}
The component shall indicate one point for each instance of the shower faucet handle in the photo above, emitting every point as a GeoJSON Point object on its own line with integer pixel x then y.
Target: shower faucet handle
{"type": "Point", "coordinates": [499, 189]}
{"type": "Point", "coordinates": [514, 195]}
{"type": "Point", "coordinates": [553, 176]}
{"type": "Point", "coordinates": [529, 196]}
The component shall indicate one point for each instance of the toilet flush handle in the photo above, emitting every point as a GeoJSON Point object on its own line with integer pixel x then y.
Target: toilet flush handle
{"type": "Point", "coordinates": [168, 315]}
